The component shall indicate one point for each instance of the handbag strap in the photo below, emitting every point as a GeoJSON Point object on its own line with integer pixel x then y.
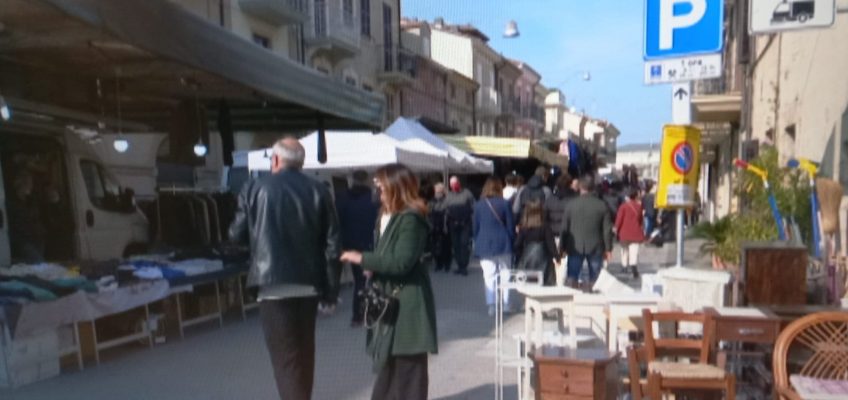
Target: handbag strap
{"type": "Point", "coordinates": [495, 213]}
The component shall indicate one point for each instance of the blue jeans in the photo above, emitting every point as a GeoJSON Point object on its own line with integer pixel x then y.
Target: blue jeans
{"type": "Point", "coordinates": [575, 264]}
{"type": "Point", "coordinates": [650, 224]}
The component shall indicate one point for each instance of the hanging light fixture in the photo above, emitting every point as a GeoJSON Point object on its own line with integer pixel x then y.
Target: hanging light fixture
{"type": "Point", "coordinates": [200, 148]}
{"type": "Point", "coordinates": [120, 144]}
{"type": "Point", "coordinates": [511, 30]}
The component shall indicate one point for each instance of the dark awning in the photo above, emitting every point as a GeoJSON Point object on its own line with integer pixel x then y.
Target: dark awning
{"type": "Point", "coordinates": [55, 50]}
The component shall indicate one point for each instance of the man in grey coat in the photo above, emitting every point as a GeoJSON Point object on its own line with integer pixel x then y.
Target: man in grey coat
{"type": "Point", "coordinates": [586, 233]}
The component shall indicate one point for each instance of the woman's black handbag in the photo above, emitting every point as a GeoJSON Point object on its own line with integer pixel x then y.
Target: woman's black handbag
{"type": "Point", "coordinates": [377, 306]}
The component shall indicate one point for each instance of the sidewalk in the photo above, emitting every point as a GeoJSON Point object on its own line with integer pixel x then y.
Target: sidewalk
{"type": "Point", "coordinates": [232, 363]}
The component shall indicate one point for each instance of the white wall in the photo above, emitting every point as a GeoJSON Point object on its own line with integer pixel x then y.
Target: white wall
{"type": "Point", "coordinates": [452, 51]}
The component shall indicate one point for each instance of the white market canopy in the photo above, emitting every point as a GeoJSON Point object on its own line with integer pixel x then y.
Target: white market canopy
{"type": "Point", "coordinates": [411, 132]}
{"type": "Point", "coordinates": [347, 151]}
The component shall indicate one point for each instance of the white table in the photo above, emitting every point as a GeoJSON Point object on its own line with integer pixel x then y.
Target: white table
{"type": "Point", "coordinates": [627, 306]}
{"type": "Point", "coordinates": [538, 300]}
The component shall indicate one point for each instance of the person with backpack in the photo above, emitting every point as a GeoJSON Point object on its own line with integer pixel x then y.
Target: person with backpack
{"type": "Point", "coordinates": [535, 245]}
{"type": "Point", "coordinates": [535, 190]}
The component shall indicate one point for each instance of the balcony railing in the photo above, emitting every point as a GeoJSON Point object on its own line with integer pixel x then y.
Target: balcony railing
{"type": "Point", "coordinates": [397, 59]}
{"type": "Point", "coordinates": [278, 12]}
{"type": "Point", "coordinates": [332, 25]}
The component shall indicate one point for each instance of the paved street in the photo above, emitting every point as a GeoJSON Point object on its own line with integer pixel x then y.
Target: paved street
{"type": "Point", "coordinates": [231, 363]}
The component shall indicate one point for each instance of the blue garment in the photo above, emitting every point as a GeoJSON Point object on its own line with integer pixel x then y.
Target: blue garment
{"type": "Point", "coordinates": [493, 237]}
{"type": "Point", "coordinates": [575, 264]}
{"type": "Point", "coordinates": [358, 211]}
{"type": "Point", "coordinates": [38, 293]}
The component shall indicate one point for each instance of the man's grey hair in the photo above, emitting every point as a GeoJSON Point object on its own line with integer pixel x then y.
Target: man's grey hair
{"type": "Point", "coordinates": [290, 151]}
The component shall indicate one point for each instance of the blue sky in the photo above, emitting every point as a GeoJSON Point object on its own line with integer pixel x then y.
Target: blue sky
{"type": "Point", "coordinates": [561, 38]}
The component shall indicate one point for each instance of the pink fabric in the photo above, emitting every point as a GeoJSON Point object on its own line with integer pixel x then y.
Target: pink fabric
{"type": "Point", "coordinates": [811, 387]}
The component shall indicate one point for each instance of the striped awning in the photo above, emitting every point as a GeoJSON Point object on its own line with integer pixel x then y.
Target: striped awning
{"type": "Point", "coordinates": [506, 148]}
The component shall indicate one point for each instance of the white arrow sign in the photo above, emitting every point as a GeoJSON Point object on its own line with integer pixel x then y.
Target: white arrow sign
{"type": "Point", "coordinates": [681, 103]}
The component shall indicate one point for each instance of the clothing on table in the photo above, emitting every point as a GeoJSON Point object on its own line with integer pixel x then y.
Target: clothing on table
{"type": "Point", "coordinates": [38, 294]}
{"type": "Point", "coordinates": [403, 378]}
{"type": "Point", "coordinates": [493, 267]}
{"type": "Point", "coordinates": [289, 329]}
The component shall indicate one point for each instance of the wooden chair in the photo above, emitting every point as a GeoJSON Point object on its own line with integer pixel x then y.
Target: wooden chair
{"type": "Point", "coordinates": [635, 360]}
{"type": "Point", "coordinates": [698, 376]}
{"type": "Point", "coordinates": [819, 344]}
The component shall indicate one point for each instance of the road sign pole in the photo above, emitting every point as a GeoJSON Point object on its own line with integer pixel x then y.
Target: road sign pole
{"type": "Point", "coordinates": [681, 110]}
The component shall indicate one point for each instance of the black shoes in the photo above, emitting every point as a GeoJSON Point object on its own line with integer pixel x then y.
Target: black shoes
{"type": "Point", "coordinates": [462, 272]}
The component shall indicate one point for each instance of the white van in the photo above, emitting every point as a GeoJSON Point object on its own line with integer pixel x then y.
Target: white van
{"type": "Point", "coordinates": [76, 204]}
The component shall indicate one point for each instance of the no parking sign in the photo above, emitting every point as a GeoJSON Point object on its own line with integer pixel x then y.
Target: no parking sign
{"type": "Point", "coordinates": [678, 166]}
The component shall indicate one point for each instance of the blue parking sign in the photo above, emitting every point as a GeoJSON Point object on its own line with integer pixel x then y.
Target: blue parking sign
{"type": "Point", "coordinates": [679, 28]}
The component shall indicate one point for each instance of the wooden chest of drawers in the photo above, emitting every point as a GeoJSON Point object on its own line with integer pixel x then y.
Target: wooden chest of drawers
{"type": "Point", "coordinates": [570, 374]}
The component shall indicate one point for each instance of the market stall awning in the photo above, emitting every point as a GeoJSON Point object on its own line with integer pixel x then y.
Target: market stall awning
{"type": "Point", "coordinates": [345, 154]}
{"type": "Point", "coordinates": [53, 51]}
{"type": "Point", "coordinates": [506, 148]}
{"type": "Point", "coordinates": [413, 133]}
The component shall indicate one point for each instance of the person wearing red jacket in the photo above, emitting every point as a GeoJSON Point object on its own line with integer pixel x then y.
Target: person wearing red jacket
{"type": "Point", "coordinates": [630, 231]}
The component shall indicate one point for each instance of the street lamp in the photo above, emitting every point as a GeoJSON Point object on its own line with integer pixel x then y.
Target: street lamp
{"type": "Point", "coordinates": [511, 30]}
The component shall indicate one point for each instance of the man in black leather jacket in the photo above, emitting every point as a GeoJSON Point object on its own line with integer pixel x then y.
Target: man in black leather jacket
{"type": "Point", "coordinates": [290, 222]}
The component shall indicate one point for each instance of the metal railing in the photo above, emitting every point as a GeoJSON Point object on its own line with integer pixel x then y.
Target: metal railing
{"type": "Point", "coordinates": [330, 21]}
{"type": "Point", "coordinates": [399, 59]}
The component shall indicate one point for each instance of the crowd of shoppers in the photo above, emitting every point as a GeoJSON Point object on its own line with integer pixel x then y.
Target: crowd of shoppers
{"type": "Point", "coordinates": [299, 236]}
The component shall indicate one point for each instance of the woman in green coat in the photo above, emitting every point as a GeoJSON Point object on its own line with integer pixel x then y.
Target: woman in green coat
{"type": "Point", "coordinates": [399, 348]}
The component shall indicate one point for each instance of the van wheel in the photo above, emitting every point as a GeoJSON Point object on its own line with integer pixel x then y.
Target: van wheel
{"type": "Point", "coordinates": [134, 249]}
{"type": "Point", "coordinates": [803, 18]}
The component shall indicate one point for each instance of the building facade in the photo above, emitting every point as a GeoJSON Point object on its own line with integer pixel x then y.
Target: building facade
{"type": "Point", "coordinates": [787, 90]}
{"type": "Point", "coordinates": [464, 49]}
{"type": "Point", "coordinates": [531, 120]}
{"type": "Point", "coordinates": [644, 156]}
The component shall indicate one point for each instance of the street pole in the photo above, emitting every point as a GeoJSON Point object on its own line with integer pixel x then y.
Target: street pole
{"type": "Point", "coordinates": [681, 95]}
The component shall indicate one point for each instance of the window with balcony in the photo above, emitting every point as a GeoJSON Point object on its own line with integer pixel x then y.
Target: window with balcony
{"type": "Point", "coordinates": [365, 16]}
{"type": "Point", "coordinates": [262, 40]}
{"type": "Point", "coordinates": [453, 91]}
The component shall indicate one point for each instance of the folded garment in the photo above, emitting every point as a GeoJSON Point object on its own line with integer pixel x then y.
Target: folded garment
{"type": "Point", "coordinates": [51, 286]}
{"type": "Point", "coordinates": [78, 283]}
{"type": "Point", "coordinates": [198, 266]}
{"type": "Point", "coordinates": [171, 273]}
{"type": "Point", "coordinates": [38, 293]}
{"type": "Point", "coordinates": [10, 292]}
{"type": "Point", "coordinates": [148, 273]}
{"type": "Point", "coordinates": [45, 271]}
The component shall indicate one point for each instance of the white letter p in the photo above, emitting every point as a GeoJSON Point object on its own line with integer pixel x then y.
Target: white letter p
{"type": "Point", "coordinates": [669, 22]}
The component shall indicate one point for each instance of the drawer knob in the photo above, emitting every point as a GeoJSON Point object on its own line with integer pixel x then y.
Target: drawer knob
{"type": "Point", "coordinates": [564, 374]}
{"type": "Point", "coordinates": [565, 388]}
